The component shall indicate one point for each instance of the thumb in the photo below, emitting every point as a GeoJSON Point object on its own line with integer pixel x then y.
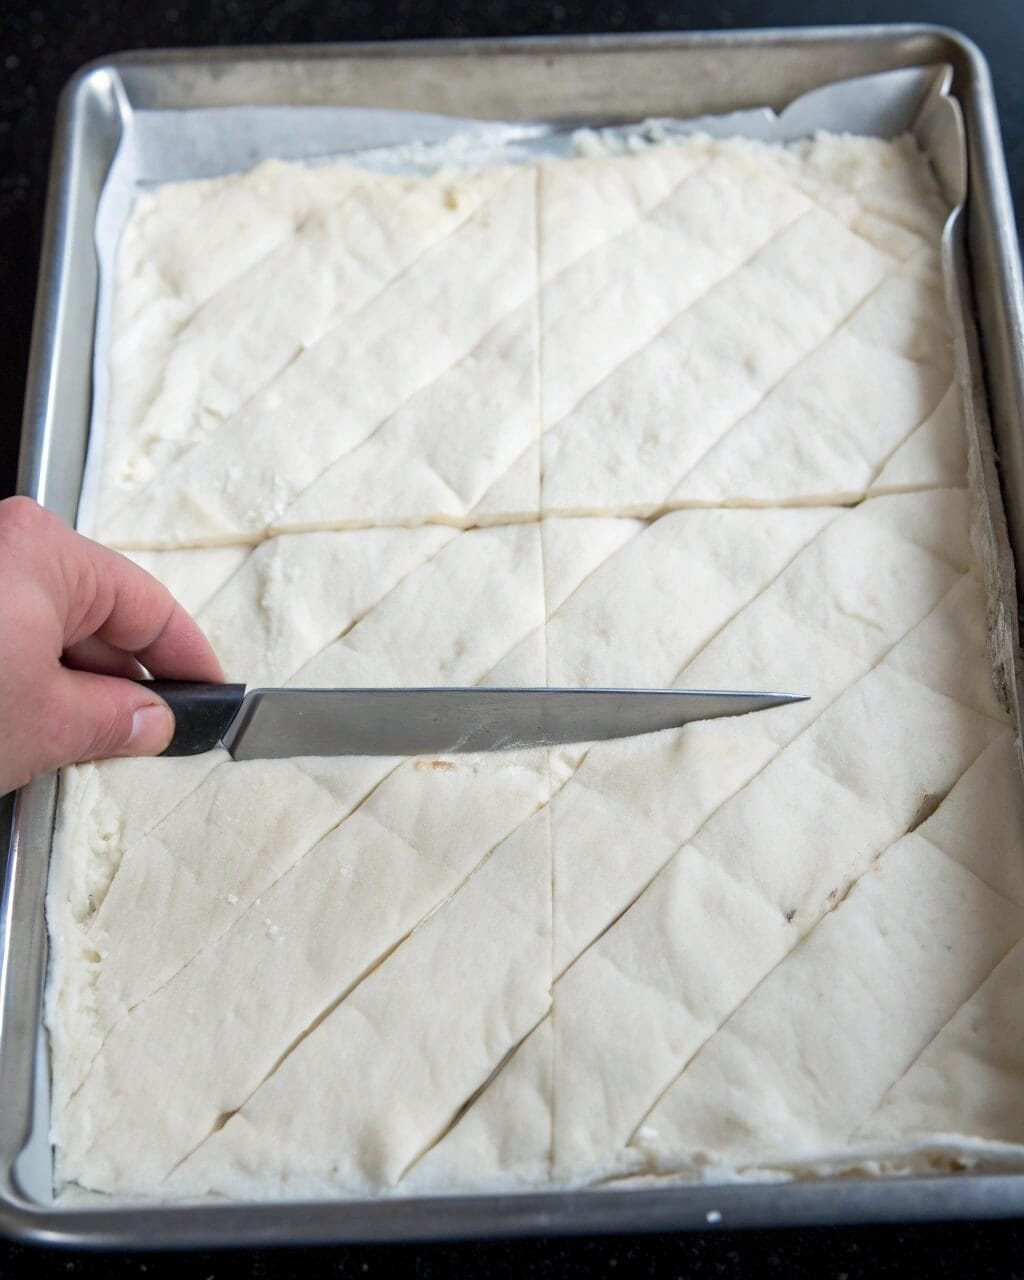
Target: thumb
{"type": "Point", "coordinates": [98, 716]}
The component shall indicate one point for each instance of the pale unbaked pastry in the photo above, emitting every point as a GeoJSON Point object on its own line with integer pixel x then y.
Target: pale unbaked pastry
{"type": "Point", "coordinates": [683, 417]}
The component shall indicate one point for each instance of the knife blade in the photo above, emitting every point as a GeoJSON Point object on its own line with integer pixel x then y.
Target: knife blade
{"type": "Point", "coordinates": [277, 723]}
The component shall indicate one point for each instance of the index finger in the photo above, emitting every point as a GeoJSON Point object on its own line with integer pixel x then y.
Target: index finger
{"type": "Point", "coordinates": [100, 593]}
{"type": "Point", "coordinates": [136, 613]}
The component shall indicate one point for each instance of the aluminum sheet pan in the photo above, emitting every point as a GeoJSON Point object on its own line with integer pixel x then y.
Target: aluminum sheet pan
{"type": "Point", "coordinates": [561, 82]}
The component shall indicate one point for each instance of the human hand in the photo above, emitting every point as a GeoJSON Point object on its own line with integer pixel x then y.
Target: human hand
{"type": "Point", "coordinates": [76, 621]}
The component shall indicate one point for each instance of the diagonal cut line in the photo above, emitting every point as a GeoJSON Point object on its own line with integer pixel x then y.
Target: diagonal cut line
{"type": "Point", "coordinates": [740, 608]}
{"type": "Point", "coordinates": [365, 613]}
{"type": "Point", "coordinates": [464, 1107]}
{"type": "Point", "coordinates": [857, 443]}
{"type": "Point", "coordinates": [645, 215]}
{"type": "Point", "coordinates": [812, 623]}
{"type": "Point", "coordinates": [278, 245]}
{"type": "Point", "coordinates": [509, 518]}
{"type": "Point", "coordinates": [788, 373]}
{"type": "Point", "coordinates": [933, 1039]}
{"type": "Point", "coordinates": [230, 578]}
{"type": "Point", "coordinates": [884, 462]}
{"type": "Point", "coordinates": [309, 1030]}
{"type": "Point", "coordinates": [278, 527]}
{"type": "Point", "coordinates": [549, 618]}
{"type": "Point", "coordinates": [972, 871]}
{"type": "Point", "coordinates": [962, 866]}
{"type": "Point", "coordinates": [362, 618]}
{"type": "Point", "coordinates": [758, 592]}
{"type": "Point", "coordinates": [156, 823]}
{"type": "Point", "coordinates": [1001, 720]}
{"type": "Point", "coordinates": [864, 206]}
{"type": "Point", "coordinates": [676, 317]}
{"type": "Point", "coordinates": [886, 212]}
{"type": "Point", "coordinates": [212, 941]}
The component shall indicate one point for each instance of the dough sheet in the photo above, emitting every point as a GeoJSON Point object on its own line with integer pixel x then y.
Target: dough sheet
{"type": "Point", "coordinates": [684, 417]}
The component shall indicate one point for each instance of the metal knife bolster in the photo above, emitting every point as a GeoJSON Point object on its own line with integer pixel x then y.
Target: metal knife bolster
{"type": "Point", "coordinates": [280, 723]}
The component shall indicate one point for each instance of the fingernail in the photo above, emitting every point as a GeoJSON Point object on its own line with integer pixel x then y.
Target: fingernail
{"type": "Point", "coordinates": [152, 729]}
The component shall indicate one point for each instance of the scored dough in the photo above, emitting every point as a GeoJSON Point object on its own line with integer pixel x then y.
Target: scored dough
{"type": "Point", "coordinates": [478, 370]}
{"type": "Point", "coordinates": [791, 1074]}
{"type": "Point", "coordinates": [681, 417]}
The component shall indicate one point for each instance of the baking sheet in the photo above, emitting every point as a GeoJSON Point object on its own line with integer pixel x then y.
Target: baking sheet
{"type": "Point", "coordinates": [719, 69]}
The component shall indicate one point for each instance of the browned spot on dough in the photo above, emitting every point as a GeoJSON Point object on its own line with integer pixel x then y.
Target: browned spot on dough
{"type": "Point", "coordinates": [435, 764]}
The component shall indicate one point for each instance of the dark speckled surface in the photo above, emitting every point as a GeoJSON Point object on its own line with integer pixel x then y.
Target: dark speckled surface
{"type": "Point", "coordinates": [41, 44]}
{"type": "Point", "coordinates": [968, 1253]}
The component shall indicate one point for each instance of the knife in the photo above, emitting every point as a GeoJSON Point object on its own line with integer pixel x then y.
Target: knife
{"type": "Point", "coordinates": [264, 724]}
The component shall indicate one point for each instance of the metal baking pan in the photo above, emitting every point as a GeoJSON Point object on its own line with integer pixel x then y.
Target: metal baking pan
{"type": "Point", "coordinates": [572, 80]}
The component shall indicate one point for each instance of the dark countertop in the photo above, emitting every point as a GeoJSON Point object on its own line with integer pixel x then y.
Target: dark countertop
{"type": "Point", "coordinates": [41, 43]}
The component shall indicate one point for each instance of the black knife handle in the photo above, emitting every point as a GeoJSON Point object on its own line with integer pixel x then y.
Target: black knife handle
{"type": "Point", "coordinates": [202, 713]}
